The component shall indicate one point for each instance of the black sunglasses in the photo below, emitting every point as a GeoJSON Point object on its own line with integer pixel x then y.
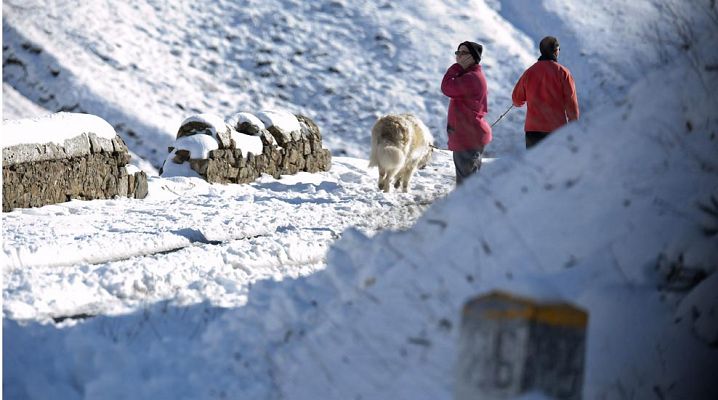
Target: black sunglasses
{"type": "Point", "coordinates": [461, 52]}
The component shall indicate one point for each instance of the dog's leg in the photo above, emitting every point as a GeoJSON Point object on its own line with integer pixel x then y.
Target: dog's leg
{"type": "Point", "coordinates": [405, 181]}
{"type": "Point", "coordinates": [382, 178]}
{"type": "Point", "coordinates": [390, 176]}
{"type": "Point", "coordinates": [406, 175]}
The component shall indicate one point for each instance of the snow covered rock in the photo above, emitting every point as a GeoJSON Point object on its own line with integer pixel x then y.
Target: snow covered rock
{"type": "Point", "coordinates": [207, 124]}
{"type": "Point", "coordinates": [283, 125]}
{"type": "Point", "coordinates": [65, 156]}
{"type": "Point", "coordinates": [246, 122]}
{"type": "Point", "coordinates": [246, 146]}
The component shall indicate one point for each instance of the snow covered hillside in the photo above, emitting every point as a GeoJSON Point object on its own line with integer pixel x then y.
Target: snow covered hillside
{"type": "Point", "coordinates": [319, 286]}
{"type": "Point", "coordinates": [146, 65]}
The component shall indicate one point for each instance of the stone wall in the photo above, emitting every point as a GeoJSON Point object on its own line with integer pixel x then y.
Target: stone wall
{"type": "Point", "coordinates": [85, 167]}
{"type": "Point", "coordinates": [283, 153]}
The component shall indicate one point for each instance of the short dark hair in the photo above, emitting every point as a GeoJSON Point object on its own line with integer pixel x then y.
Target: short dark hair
{"type": "Point", "coordinates": [548, 45]}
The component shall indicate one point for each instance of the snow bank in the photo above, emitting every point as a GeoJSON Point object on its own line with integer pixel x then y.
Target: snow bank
{"type": "Point", "coordinates": [583, 218]}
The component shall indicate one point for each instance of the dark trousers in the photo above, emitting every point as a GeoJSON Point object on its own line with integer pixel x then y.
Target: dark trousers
{"type": "Point", "coordinates": [467, 162]}
{"type": "Point", "coordinates": [533, 137]}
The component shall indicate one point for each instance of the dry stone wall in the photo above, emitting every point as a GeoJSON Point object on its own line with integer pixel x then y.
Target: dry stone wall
{"type": "Point", "coordinates": [283, 153]}
{"type": "Point", "coordinates": [85, 167]}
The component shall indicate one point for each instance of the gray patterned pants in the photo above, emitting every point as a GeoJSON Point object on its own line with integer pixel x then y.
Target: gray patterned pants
{"type": "Point", "coordinates": [467, 163]}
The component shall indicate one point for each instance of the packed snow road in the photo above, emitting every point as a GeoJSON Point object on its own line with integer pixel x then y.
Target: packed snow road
{"type": "Point", "coordinates": [190, 241]}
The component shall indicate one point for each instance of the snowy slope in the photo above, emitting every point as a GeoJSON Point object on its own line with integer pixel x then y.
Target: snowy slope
{"type": "Point", "coordinates": [15, 104]}
{"type": "Point", "coordinates": [146, 65]}
{"type": "Point", "coordinates": [609, 214]}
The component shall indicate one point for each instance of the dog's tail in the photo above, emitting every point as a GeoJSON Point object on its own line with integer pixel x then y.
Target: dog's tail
{"type": "Point", "coordinates": [388, 136]}
{"type": "Point", "coordinates": [388, 157]}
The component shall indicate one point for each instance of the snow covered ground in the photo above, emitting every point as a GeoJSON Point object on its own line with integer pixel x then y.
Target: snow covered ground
{"type": "Point", "coordinates": [190, 241]}
{"type": "Point", "coordinates": [318, 286]}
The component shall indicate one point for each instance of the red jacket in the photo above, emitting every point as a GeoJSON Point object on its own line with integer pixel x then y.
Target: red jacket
{"type": "Point", "coordinates": [549, 89]}
{"type": "Point", "coordinates": [467, 89]}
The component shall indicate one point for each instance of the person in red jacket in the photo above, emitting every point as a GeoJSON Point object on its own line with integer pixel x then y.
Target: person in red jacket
{"type": "Point", "coordinates": [465, 84]}
{"type": "Point", "coordinates": [550, 92]}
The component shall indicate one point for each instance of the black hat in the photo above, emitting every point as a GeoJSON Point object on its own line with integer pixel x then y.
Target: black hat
{"type": "Point", "coordinates": [475, 49]}
{"type": "Point", "coordinates": [548, 46]}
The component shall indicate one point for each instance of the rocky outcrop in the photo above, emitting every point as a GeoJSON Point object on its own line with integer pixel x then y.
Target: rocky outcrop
{"type": "Point", "coordinates": [283, 152]}
{"type": "Point", "coordinates": [85, 167]}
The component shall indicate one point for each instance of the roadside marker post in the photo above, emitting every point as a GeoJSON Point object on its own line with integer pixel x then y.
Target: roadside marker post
{"type": "Point", "coordinates": [510, 345]}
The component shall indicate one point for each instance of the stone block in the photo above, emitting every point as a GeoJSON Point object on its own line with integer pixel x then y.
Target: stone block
{"type": "Point", "coordinates": [181, 156]}
{"type": "Point", "coordinates": [141, 187]}
{"type": "Point", "coordinates": [123, 185]}
{"type": "Point", "coordinates": [199, 165]}
{"type": "Point", "coordinates": [194, 128]}
{"type": "Point", "coordinates": [77, 146]}
{"type": "Point", "coordinates": [267, 138]}
{"type": "Point", "coordinates": [119, 145]}
{"type": "Point", "coordinates": [224, 139]}
{"type": "Point", "coordinates": [86, 168]}
{"type": "Point", "coordinates": [249, 128]}
{"type": "Point", "coordinates": [510, 345]}
{"type": "Point", "coordinates": [282, 138]}
{"type": "Point", "coordinates": [99, 144]}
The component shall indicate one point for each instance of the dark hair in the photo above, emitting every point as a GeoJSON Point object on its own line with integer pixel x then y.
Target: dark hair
{"type": "Point", "coordinates": [548, 46]}
{"type": "Point", "coordinates": [474, 48]}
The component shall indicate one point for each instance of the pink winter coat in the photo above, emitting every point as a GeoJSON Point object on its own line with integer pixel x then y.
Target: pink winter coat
{"type": "Point", "coordinates": [467, 89]}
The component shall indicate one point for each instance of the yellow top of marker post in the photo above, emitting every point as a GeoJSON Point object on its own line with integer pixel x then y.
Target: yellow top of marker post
{"type": "Point", "coordinates": [499, 305]}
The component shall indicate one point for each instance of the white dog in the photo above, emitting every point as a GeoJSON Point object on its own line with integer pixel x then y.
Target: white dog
{"type": "Point", "coordinates": [399, 145]}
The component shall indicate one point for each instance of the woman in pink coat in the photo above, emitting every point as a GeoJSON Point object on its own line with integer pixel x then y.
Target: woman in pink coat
{"type": "Point", "coordinates": [465, 84]}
